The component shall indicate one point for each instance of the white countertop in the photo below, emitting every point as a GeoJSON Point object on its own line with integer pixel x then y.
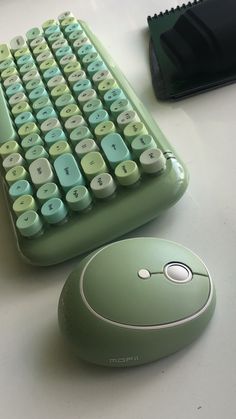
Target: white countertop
{"type": "Point", "coordinates": [39, 377]}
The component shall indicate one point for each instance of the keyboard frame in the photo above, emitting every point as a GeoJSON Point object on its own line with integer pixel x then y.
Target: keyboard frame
{"type": "Point", "coordinates": [109, 219]}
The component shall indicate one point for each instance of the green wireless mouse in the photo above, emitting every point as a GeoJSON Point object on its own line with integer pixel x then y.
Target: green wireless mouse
{"type": "Point", "coordinates": [135, 301]}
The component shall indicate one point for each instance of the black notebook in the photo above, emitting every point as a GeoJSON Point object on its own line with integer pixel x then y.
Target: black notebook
{"type": "Point", "coordinates": [172, 75]}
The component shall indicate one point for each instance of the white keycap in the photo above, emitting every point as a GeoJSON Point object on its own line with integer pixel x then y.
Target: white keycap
{"type": "Point", "coordinates": [64, 15]}
{"type": "Point", "coordinates": [50, 124]}
{"type": "Point", "coordinates": [126, 117]}
{"type": "Point", "coordinates": [74, 122]}
{"type": "Point", "coordinates": [68, 58]}
{"type": "Point", "coordinates": [103, 185]}
{"type": "Point", "coordinates": [11, 80]}
{"type": "Point", "coordinates": [76, 76]}
{"type": "Point", "coordinates": [31, 75]}
{"type": "Point", "coordinates": [86, 95]}
{"type": "Point", "coordinates": [59, 44]}
{"type": "Point", "coordinates": [55, 81]}
{"type": "Point", "coordinates": [14, 159]}
{"type": "Point", "coordinates": [85, 146]}
{"type": "Point", "coordinates": [44, 56]}
{"type": "Point", "coordinates": [153, 160]}
{"type": "Point", "coordinates": [101, 75]}
{"type": "Point", "coordinates": [41, 172]}
{"type": "Point", "coordinates": [18, 97]}
{"type": "Point", "coordinates": [17, 42]}
{"type": "Point", "coordinates": [37, 41]}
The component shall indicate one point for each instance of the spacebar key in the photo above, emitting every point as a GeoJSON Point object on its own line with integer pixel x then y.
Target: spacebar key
{"type": "Point", "coordinates": [7, 131]}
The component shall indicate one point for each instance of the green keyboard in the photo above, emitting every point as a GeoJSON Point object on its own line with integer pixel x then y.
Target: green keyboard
{"type": "Point", "coordinates": [82, 161]}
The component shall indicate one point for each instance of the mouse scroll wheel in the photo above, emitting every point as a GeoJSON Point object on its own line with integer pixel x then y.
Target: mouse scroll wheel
{"type": "Point", "coordinates": [178, 272]}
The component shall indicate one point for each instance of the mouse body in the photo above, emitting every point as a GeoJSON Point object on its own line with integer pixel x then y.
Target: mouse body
{"type": "Point", "coordinates": [135, 301]}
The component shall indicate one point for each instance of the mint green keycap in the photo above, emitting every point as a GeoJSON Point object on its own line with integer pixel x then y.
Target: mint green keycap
{"type": "Point", "coordinates": [16, 173]}
{"type": "Point", "coordinates": [37, 93]}
{"type": "Point", "coordinates": [115, 149]}
{"type": "Point", "coordinates": [90, 58]}
{"type": "Point", "coordinates": [92, 106]}
{"type": "Point", "coordinates": [112, 95]}
{"type": "Point", "coordinates": [45, 113]}
{"type": "Point", "coordinates": [96, 66]}
{"type": "Point", "coordinates": [29, 224]}
{"type": "Point", "coordinates": [41, 172]}
{"type": "Point", "coordinates": [42, 102]}
{"type": "Point", "coordinates": [48, 191]}
{"type": "Point", "coordinates": [127, 173]}
{"type": "Point", "coordinates": [33, 33]}
{"type": "Point", "coordinates": [24, 118]}
{"type": "Point", "coordinates": [68, 172]}
{"type": "Point", "coordinates": [72, 27]}
{"type": "Point", "coordinates": [77, 34]}
{"type": "Point", "coordinates": [134, 129]}
{"type": "Point", "coordinates": [24, 203]}
{"type": "Point", "coordinates": [24, 69]}
{"type": "Point", "coordinates": [51, 72]}
{"type": "Point", "coordinates": [20, 108]}
{"type": "Point", "coordinates": [27, 129]}
{"type": "Point", "coordinates": [81, 85]}
{"type": "Point", "coordinates": [97, 117]}
{"type": "Point", "coordinates": [54, 37]}
{"type": "Point", "coordinates": [62, 101]}
{"type": "Point", "coordinates": [14, 88]}
{"type": "Point", "coordinates": [55, 135]}
{"type": "Point", "coordinates": [119, 106]}
{"type": "Point", "coordinates": [8, 148]}
{"type": "Point", "coordinates": [59, 148]}
{"type": "Point", "coordinates": [30, 141]}
{"type": "Point", "coordinates": [80, 133]}
{"type": "Point", "coordinates": [19, 188]}
{"type": "Point", "coordinates": [103, 129]}
{"type": "Point", "coordinates": [7, 64]}
{"type": "Point", "coordinates": [78, 198]}
{"type": "Point", "coordinates": [84, 50]}
{"type": "Point", "coordinates": [51, 29]}
{"type": "Point", "coordinates": [35, 152]}
{"type": "Point", "coordinates": [142, 143]}
{"type": "Point", "coordinates": [93, 164]}
{"type": "Point", "coordinates": [33, 84]}
{"type": "Point", "coordinates": [25, 59]}
{"type": "Point", "coordinates": [5, 52]}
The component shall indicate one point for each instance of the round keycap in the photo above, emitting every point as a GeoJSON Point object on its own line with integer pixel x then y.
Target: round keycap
{"type": "Point", "coordinates": [61, 52]}
{"type": "Point", "coordinates": [31, 75]}
{"type": "Point", "coordinates": [153, 161]}
{"type": "Point", "coordinates": [16, 173]}
{"type": "Point", "coordinates": [47, 191]}
{"type": "Point", "coordinates": [59, 148]}
{"type": "Point", "coordinates": [51, 72]}
{"type": "Point", "coordinates": [44, 56]}
{"type": "Point", "coordinates": [30, 141]}
{"type": "Point", "coordinates": [127, 173]}
{"type": "Point", "coordinates": [85, 49]}
{"type": "Point", "coordinates": [49, 124]}
{"type": "Point", "coordinates": [29, 224]}
{"type": "Point", "coordinates": [133, 129]}
{"type": "Point", "coordinates": [14, 159]}
{"type": "Point", "coordinates": [33, 84]}
{"type": "Point", "coordinates": [103, 186]}
{"type": "Point", "coordinates": [19, 188]}
{"type": "Point", "coordinates": [46, 113]}
{"type": "Point", "coordinates": [35, 152]}
{"type": "Point", "coordinates": [112, 95]}
{"type": "Point", "coordinates": [69, 63]}
{"type": "Point", "coordinates": [21, 107]}
{"type": "Point", "coordinates": [93, 164]}
{"type": "Point", "coordinates": [106, 85]}
{"type": "Point", "coordinates": [100, 76]}
{"type": "Point", "coordinates": [92, 106]}
{"type": "Point", "coordinates": [126, 117]}
{"type": "Point", "coordinates": [85, 146]}
{"type": "Point", "coordinates": [73, 27]}
{"type": "Point", "coordinates": [90, 58]}
{"type": "Point", "coordinates": [74, 122]}
{"type": "Point", "coordinates": [33, 33]}
{"type": "Point", "coordinates": [104, 128]}
{"type": "Point", "coordinates": [81, 85]}
{"type": "Point", "coordinates": [98, 116]}
{"type": "Point", "coordinates": [26, 68]}
{"type": "Point", "coordinates": [11, 71]}
{"type": "Point", "coordinates": [55, 37]}
{"type": "Point", "coordinates": [28, 128]}
{"type": "Point", "coordinates": [78, 198]}
{"type": "Point", "coordinates": [47, 64]}
{"type": "Point", "coordinates": [142, 143]}
{"type": "Point", "coordinates": [14, 88]}
{"type": "Point", "coordinates": [65, 15]}
{"type": "Point", "coordinates": [119, 106]}
{"type": "Point", "coordinates": [24, 203]}
{"type": "Point", "coordinates": [8, 148]}
{"type": "Point", "coordinates": [77, 34]}
{"type": "Point", "coordinates": [11, 80]}
{"type": "Point", "coordinates": [37, 93]}
{"type": "Point", "coordinates": [96, 66]}
{"type": "Point", "coordinates": [17, 97]}
{"type": "Point", "coordinates": [37, 41]}
{"type": "Point", "coordinates": [59, 91]}
{"type": "Point", "coordinates": [80, 133]}
{"type": "Point", "coordinates": [68, 21]}
{"type": "Point", "coordinates": [48, 23]}
{"type": "Point", "coordinates": [54, 211]}
{"type": "Point", "coordinates": [64, 100]}
{"type": "Point", "coordinates": [41, 103]}
{"type": "Point", "coordinates": [56, 134]}
{"type": "Point", "coordinates": [51, 29]}
{"type": "Point", "coordinates": [81, 40]}
{"type": "Point", "coordinates": [86, 95]}
{"type": "Point", "coordinates": [76, 76]}
{"type": "Point", "coordinates": [69, 110]}
{"type": "Point", "coordinates": [24, 118]}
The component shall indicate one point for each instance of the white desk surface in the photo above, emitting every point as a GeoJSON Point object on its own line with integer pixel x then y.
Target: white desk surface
{"type": "Point", "coordinates": [39, 377]}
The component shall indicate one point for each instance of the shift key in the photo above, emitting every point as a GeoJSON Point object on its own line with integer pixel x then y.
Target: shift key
{"type": "Point", "coordinates": [68, 172]}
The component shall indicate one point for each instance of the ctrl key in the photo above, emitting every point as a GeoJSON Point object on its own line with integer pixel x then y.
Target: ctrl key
{"type": "Point", "coordinates": [29, 224]}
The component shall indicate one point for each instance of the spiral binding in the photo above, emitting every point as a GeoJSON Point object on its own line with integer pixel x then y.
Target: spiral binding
{"type": "Point", "coordinates": [172, 10]}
